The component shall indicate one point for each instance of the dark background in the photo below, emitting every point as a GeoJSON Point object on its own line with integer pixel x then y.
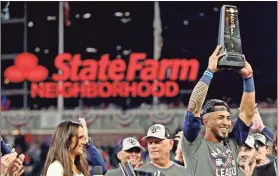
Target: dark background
{"type": "Point", "coordinates": [104, 31]}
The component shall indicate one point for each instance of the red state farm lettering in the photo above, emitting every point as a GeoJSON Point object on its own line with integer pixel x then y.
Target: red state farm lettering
{"type": "Point", "coordinates": [133, 65]}
{"type": "Point", "coordinates": [188, 69]}
{"type": "Point", "coordinates": [117, 71]}
{"type": "Point", "coordinates": [172, 89]}
{"type": "Point", "coordinates": [130, 89]}
{"type": "Point", "coordinates": [69, 67]}
{"type": "Point", "coordinates": [104, 89]}
{"type": "Point", "coordinates": [151, 69]}
{"type": "Point", "coordinates": [86, 73]}
{"type": "Point", "coordinates": [74, 69]}
{"type": "Point", "coordinates": [90, 78]}
{"type": "Point", "coordinates": [59, 63]}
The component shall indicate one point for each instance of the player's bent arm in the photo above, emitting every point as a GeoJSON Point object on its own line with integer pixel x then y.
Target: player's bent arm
{"type": "Point", "coordinates": [199, 93]}
{"type": "Point", "coordinates": [193, 125]}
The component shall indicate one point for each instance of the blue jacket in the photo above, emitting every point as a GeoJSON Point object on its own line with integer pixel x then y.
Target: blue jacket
{"type": "Point", "coordinates": [95, 158]}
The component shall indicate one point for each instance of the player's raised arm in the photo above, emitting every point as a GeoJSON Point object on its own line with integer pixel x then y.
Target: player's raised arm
{"type": "Point", "coordinates": [193, 125]}
{"type": "Point", "coordinates": [248, 98]}
{"type": "Point", "coordinates": [242, 126]}
{"type": "Point", "coordinates": [199, 93]}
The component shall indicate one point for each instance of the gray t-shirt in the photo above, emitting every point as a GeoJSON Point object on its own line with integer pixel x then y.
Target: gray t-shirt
{"type": "Point", "coordinates": [173, 170]}
{"type": "Point", "coordinates": [211, 158]}
{"type": "Point", "coordinates": [114, 172]}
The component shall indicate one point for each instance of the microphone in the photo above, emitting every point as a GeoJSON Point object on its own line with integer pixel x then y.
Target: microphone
{"type": "Point", "coordinates": [98, 171]}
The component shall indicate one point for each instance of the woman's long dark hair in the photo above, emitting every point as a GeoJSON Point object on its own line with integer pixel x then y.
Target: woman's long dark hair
{"type": "Point", "coordinates": [60, 147]}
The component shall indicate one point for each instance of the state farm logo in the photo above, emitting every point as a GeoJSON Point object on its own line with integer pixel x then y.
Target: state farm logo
{"type": "Point", "coordinates": [104, 77]}
{"type": "Point", "coordinates": [25, 68]}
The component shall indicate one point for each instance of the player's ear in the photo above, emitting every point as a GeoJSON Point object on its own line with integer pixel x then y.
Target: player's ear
{"type": "Point", "coordinates": [206, 120]}
{"type": "Point", "coordinates": [171, 143]}
{"type": "Point", "coordinates": [120, 155]}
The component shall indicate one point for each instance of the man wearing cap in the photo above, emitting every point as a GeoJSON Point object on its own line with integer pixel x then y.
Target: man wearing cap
{"type": "Point", "coordinates": [130, 150]}
{"type": "Point", "coordinates": [247, 156]}
{"type": "Point", "coordinates": [215, 153]}
{"type": "Point", "coordinates": [261, 158]}
{"type": "Point", "coordinates": [159, 145]}
{"type": "Point", "coordinates": [269, 169]}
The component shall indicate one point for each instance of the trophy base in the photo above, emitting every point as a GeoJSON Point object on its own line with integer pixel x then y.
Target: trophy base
{"type": "Point", "coordinates": [232, 61]}
{"type": "Point", "coordinates": [230, 65]}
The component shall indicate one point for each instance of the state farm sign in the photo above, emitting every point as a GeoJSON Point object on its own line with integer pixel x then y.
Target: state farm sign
{"type": "Point", "coordinates": [89, 78]}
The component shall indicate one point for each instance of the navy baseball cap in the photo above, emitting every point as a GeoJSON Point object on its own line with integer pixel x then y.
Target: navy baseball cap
{"type": "Point", "coordinates": [210, 106]}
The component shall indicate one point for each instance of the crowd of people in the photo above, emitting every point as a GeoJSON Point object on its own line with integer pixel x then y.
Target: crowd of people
{"type": "Point", "coordinates": [209, 143]}
{"type": "Point", "coordinates": [175, 104]}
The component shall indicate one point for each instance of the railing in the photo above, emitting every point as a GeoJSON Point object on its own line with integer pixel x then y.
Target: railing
{"type": "Point", "coordinates": [107, 121]}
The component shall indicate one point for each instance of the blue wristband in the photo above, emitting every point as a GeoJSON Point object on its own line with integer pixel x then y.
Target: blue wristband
{"type": "Point", "coordinates": [207, 76]}
{"type": "Point", "coordinates": [248, 84]}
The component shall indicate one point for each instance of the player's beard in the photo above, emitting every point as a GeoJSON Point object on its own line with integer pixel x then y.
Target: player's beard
{"type": "Point", "coordinates": [217, 135]}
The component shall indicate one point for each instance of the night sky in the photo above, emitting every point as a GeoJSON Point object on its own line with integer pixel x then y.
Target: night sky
{"type": "Point", "coordinates": [190, 30]}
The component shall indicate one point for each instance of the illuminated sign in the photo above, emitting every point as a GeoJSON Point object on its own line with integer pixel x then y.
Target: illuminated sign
{"type": "Point", "coordinates": [89, 78]}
